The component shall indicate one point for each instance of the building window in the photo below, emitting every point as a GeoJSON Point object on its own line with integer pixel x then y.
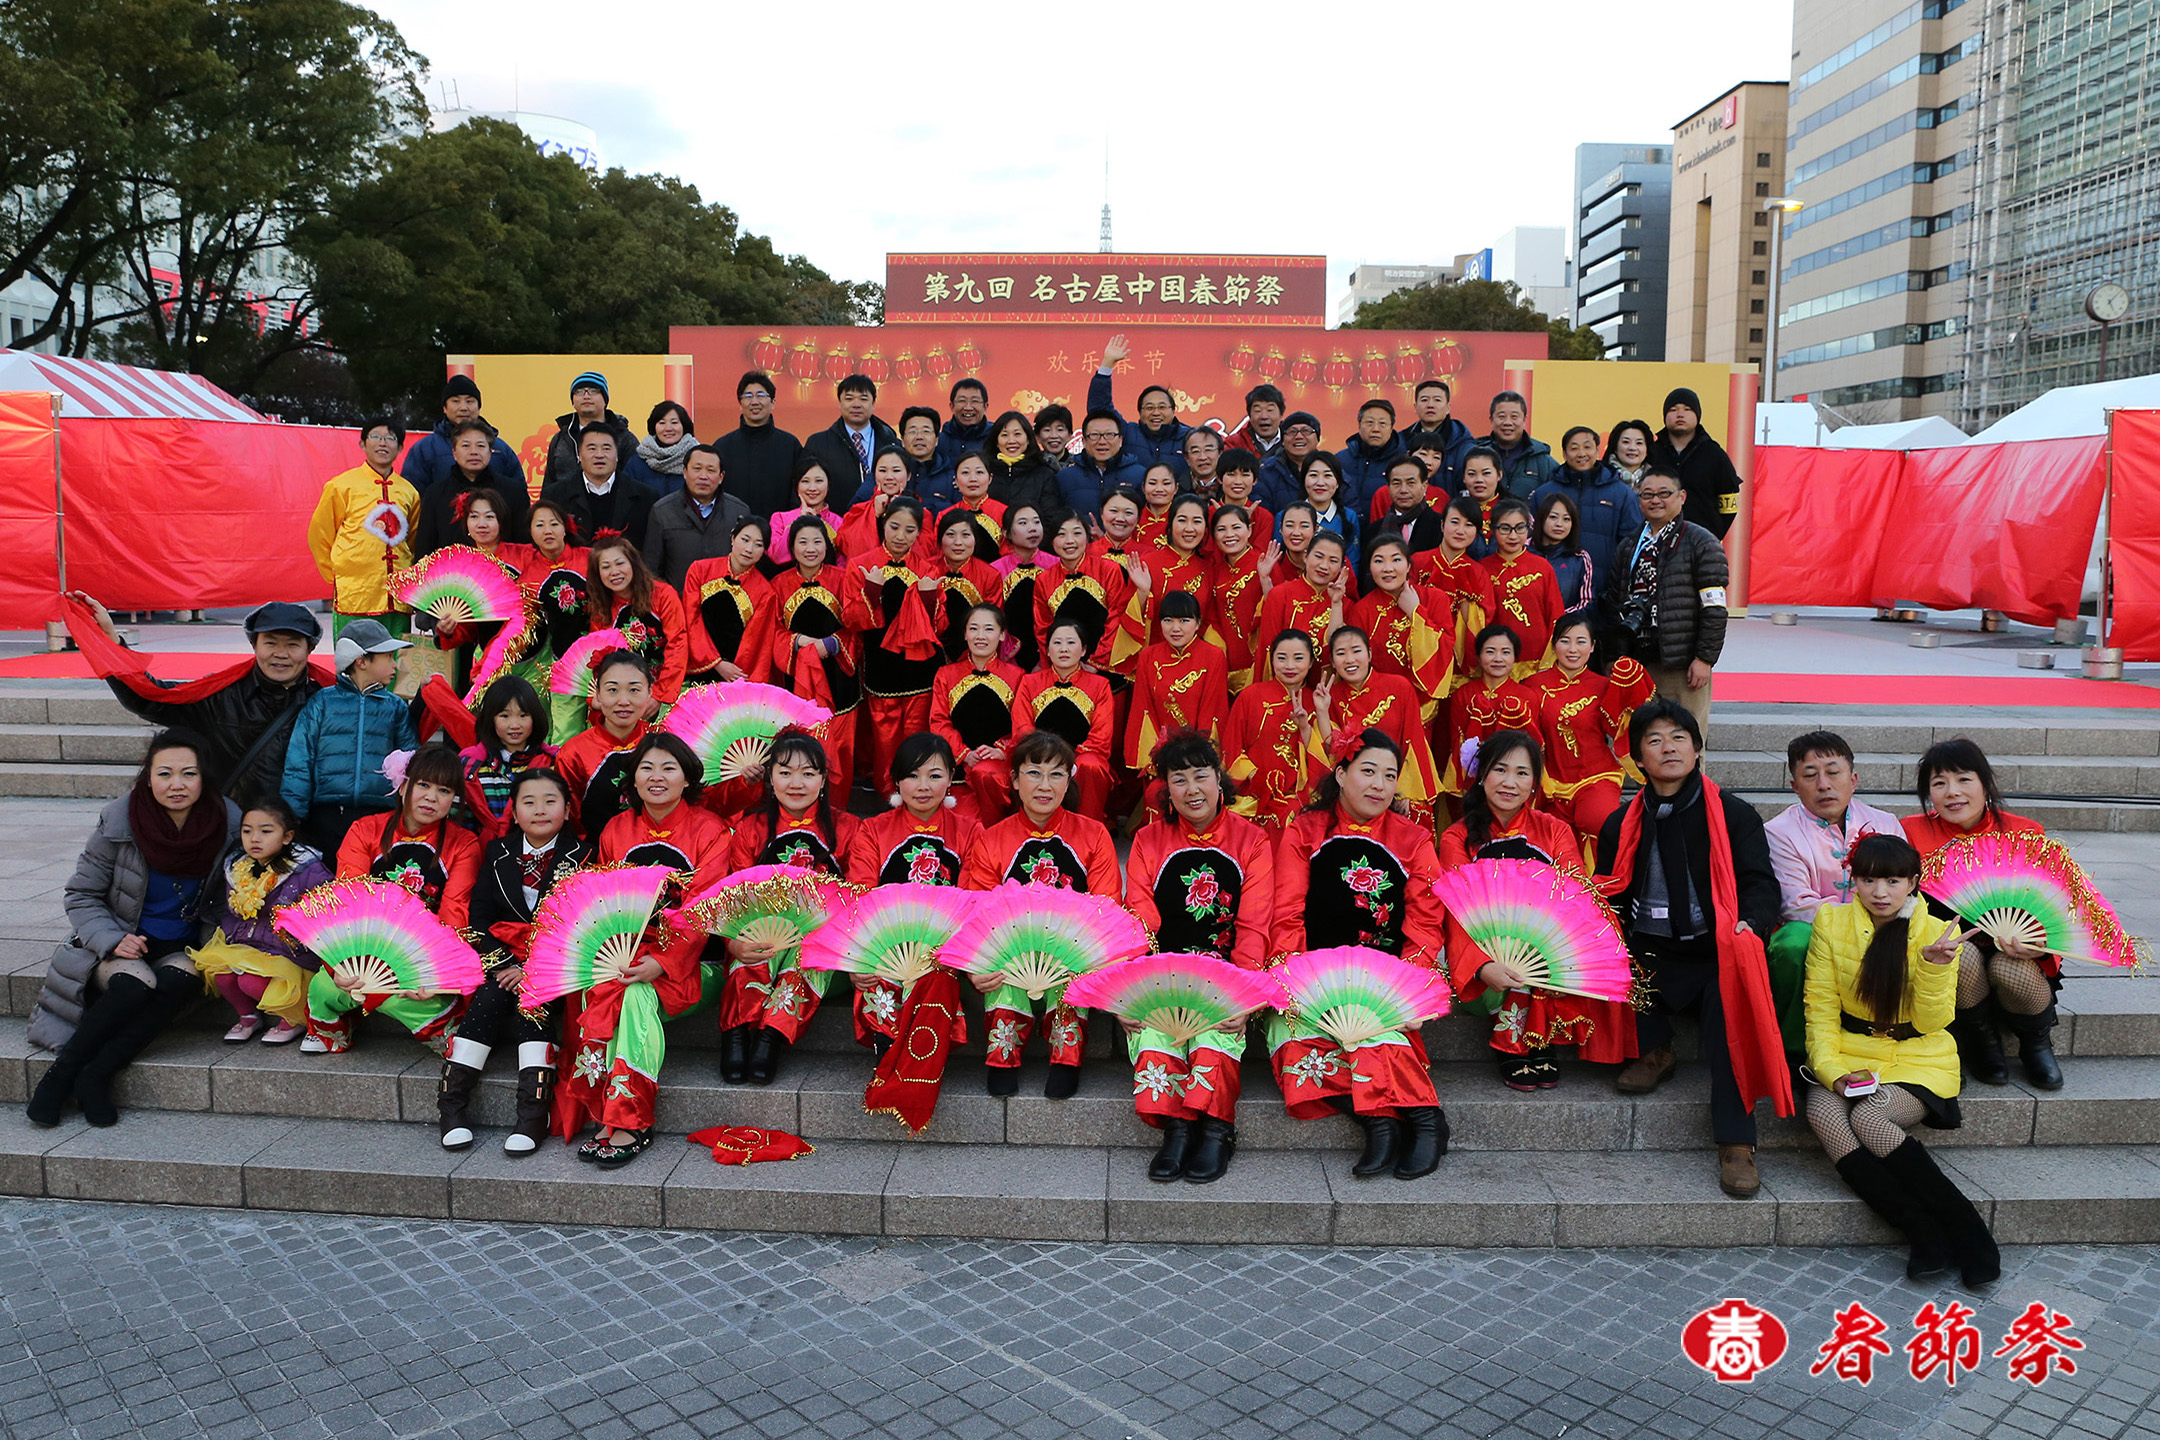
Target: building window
{"type": "Point", "coordinates": [1754, 307]}
{"type": "Point", "coordinates": [1762, 247]}
{"type": "Point", "coordinates": [1762, 217]}
{"type": "Point", "coordinates": [1754, 337]}
{"type": "Point", "coordinates": [1762, 159]}
{"type": "Point", "coordinates": [1758, 277]}
{"type": "Point", "coordinates": [1762, 188]}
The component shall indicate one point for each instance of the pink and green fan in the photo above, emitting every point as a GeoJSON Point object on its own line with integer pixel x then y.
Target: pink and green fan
{"type": "Point", "coordinates": [1541, 923]}
{"type": "Point", "coordinates": [459, 584]}
{"type": "Point", "coordinates": [382, 936]}
{"type": "Point", "coordinates": [1354, 995]}
{"type": "Point", "coordinates": [508, 645]}
{"type": "Point", "coordinates": [1039, 937]}
{"type": "Point", "coordinates": [893, 932]}
{"type": "Point", "coordinates": [587, 928]}
{"type": "Point", "coordinates": [767, 904]}
{"type": "Point", "coordinates": [1182, 995]}
{"type": "Point", "coordinates": [2025, 887]}
{"type": "Point", "coordinates": [731, 725]}
{"type": "Point", "coordinates": [572, 673]}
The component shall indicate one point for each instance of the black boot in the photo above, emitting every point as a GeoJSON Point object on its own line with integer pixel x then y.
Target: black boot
{"type": "Point", "coordinates": [1063, 1084]}
{"type": "Point", "coordinates": [151, 1014]}
{"type": "Point", "coordinates": [1212, 1148]}
{"type": "Point", "coordinates": [452, 1098]}
{"type": "Point", "coordinates": [764, 1055]}
{"type": "Point", "coordinates": [1169, 1161]}
{"type": "Point", "coordinates": [1425, 1137]}
{"type": "Point", "coordinates": [2036, 1046]}
{"type": "Point", "coordinates": [535, 1104]}
{"type": "Point", "coordinates": [1928, 1189]}
{"type": "Point", "coordinates": [1001, 1079]}
{"type": "Point", "coordinates": [879, 1045]}
{"type": "Point", "coordinates": [1380, 1146]}
{"type": "Point", "coordinates": [1930, 1255]}
{"type": "Point", "coordinates": [1979, 1043]}
{"type": "Point", "coordinates": [100, 1019]}
{"type": "Point", "coordinates": [735, 1055]}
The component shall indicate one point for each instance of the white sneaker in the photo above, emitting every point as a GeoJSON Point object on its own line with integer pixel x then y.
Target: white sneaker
{"type": "Point", "coordinates": [457, 1139]}
{"type": "Point", "coordinates": [313, 1045]}
{"type": "Point", "coordinates": [516, 1144]}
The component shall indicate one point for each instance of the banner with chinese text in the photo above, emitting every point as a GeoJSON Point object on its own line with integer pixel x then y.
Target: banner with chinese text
{"type": "Point", "coordinates": [1207, 369]}
{"type": "Point", "coordinates": [1107, 289]}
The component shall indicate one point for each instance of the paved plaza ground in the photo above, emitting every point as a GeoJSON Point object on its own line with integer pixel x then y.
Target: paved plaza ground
{"type": "Point", "coordinates": [151, 1322]}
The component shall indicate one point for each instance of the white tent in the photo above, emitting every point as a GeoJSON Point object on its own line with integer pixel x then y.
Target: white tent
{"type": "Point", "coordinates": [1801, 426]}
{"type": "Point", "coordinates": [99, 390]}
{"type": "Point", "coordinates": [2074, 410]}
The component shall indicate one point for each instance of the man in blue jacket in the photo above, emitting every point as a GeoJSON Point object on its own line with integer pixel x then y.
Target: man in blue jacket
{"type": "Point", "coordinates": [930, 474]}
{"type": "Point", "coordinates": [1525, 463]}
{"type": "Point", "coordinates": [969, 428]}
{"type": "Point", "coordinates": [1280, 483]}
{"type": "Point", "coordinates": [334, 759]}
{"type": "Point", "coordinates": [1443, 438]}
{"type": "Point", "coordinates": [429, 459]}
{"type": "Point", "coordinates": [1158, 438]}
{"type": "Point", "coordinates": [1605, 505]}
{"type": "Point", "coordinates": [1366, 458]}
{"type": "Point", "coordinates": [1102, 466]}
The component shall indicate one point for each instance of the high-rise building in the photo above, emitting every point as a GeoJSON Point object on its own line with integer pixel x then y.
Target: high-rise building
{"type": "Point", "coordinates": [1880, 155]}
{"type": "Point", "coordinates": [1535, 258]}
{"type": "Point", "coordinates": [1727, 158]}
{"type": "Point", "coordinates": [2066, 198]}
{"type": "Point", "coordinates": [1623, 214]}
{"type": "Point", "coordinates": [1377, 282]}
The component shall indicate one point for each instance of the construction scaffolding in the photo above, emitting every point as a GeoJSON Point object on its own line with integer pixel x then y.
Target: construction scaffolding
{"type": "Point", "coordinates": [2067, 196]}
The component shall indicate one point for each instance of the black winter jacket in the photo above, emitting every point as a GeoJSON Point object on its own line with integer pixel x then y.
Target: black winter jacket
{"type": "Point", "coordinates": [759, 466]}
{"type": "Point", "coordinates": [230, 721]}
{"type": "Point", "coordinates": [562, 456]}
{"type": "Point", "coordinates": [1691, 610]}
{"type": "Point", "coordinates": [1761, 901]}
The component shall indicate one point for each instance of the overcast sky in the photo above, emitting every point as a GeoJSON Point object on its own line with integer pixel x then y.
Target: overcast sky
{"type": "Point", "coordinates": [1369, 133]}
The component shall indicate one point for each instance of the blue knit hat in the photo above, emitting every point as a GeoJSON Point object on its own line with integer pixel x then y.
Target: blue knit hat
{"type": "Point", "coordinates": [593, 378]}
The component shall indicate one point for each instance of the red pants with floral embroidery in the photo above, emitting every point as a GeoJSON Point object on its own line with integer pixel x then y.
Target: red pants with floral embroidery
{"type": "Point", "coordinates": [1186, 1080]}
{"type": "Point", "coordinates": [1379, 1077]}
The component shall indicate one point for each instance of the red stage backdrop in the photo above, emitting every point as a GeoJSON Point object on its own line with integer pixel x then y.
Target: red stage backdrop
{"type": "Point", "coordinates": [2134, 533]}
{"type": "Point", "coordinates": [1107, 289]}
{"type": "Point", "coordinates": [1801, 496]}
{"type": "Point", "coordinates": [1026, 367]}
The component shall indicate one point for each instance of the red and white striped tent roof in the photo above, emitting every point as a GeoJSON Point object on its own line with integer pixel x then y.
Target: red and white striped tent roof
{"type": "Point", "coordinates": [95, 388]}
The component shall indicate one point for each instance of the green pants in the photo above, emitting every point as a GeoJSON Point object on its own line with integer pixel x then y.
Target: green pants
{"type": "Point", "coordinates": [1787, 952]}
{"type": "Point", "coordinates": [331, 1011]}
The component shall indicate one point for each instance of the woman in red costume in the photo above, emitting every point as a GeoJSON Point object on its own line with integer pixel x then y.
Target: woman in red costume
{"type": "Point", "coordinates": [1487, 705]}
{"type": "Point", "coordinates": [895, 607]}
{"type": "Point", "coordinates": [1314, 599]}
{"type": "Point", "coordinates": [1075, 704]}
{"type": "Point", "coordinates": [1270, 742]}
{"type": "Point", "coordinates": [1234, 577]}
{"type": "Point", "coordinates": [964, 581]}
{"type": "Point", "coordinates": [971, 710]}
{"type": "Point", "coordinates": [723, 596]}
{"type": "Point", "coordinates": [596, 761]}
{"type": "Point", "coordinates": [809, 631]}
{"type": "Point", "coordinates": [1526, 593]}
{"type": "Point", "coordinates": [626, 596]}
{"type": "Point", "coordinates": [1351, 698]}
{"type": "Point", "coordinates": [1018, 569]}
{"type": "Point", "coordinates": [1467, 584]}
{"type": "Point", "coordinates": [1407, 624]}
{"type": "Point", "coordinates": [1582, 718]}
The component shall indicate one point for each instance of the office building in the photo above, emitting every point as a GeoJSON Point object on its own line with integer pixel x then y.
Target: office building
{"type": "Point", "coordinates": [1623, 214]}
{"type": "Point", "coordinates": [2066, 197]}
{"type": "Point", "coordinates": [1376, 282]}
{"type": "Point", "coordinates": [1727, 158]}
{"type": "Point", "coordinates": [1535, 259]}
{"type": "Point", "coordinates": [1880, 152]}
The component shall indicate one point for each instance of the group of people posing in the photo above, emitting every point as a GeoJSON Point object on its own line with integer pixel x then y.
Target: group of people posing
{"type": "Point", "coordinates": [1300, 686]}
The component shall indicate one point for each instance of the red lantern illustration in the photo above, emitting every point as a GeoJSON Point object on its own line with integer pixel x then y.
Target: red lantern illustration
{"type": "Point", "coordinates": [838, 363]}
{"type": "Point", "coordinates": [937, 364]}
{"type": "Point", "coordinates": [873, 365]}
{"type": "Point", "coordinates": [907, 368]}
{"type": "Point", "coordinates": [1450, 357]}
{"type": "Point", "coordinates": [1241, 358]}
{"type": "Point", "coordinates": [1410, 365]}
{"type": "Point", "coordinates": [1303, 369]}
{"type": "Point", "coordinates": [970, 356]}
{"type": "Point", "coordinates": [1375, 366]}
{"type": "Point", "coordinates": [1272, 364]}
{"type": "Point", "coordinates": [1337, 371]}
{"type": "Point", "coordinates": [803, 363]}
{"type": "Point", "coordinates": [768, 352]}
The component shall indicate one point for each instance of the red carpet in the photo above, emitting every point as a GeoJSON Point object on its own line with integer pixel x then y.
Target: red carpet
{"type": "Point", "coordinates": [2067, 691]}
{"type": "Point", "coordinates": [70, 665]}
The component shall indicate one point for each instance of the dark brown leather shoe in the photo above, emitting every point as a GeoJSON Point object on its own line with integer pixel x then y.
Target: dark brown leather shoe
{"type": "Point", "coordinates": [1643, 1075]}
{"type": "Point", "coordinates": [1736, 1172]}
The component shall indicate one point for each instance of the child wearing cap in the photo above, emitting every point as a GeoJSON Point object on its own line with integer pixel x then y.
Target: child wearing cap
{"type": "Point", "coordinates": [334, 760]}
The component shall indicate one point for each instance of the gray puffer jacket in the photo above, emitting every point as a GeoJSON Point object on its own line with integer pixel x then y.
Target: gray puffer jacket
{"type": "Point", "coordinates": [105, 894]}
{"type": "Point", "coordinates": [1691, 602]}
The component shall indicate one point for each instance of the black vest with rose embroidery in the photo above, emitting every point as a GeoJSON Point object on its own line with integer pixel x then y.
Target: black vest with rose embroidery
{"type": "Point", "coordinates": [805, 847]}
{"type": "Point", "coordinates": [1355, 894]}
{"type": "Point", "coordinates": [1196, 895]}
{"type": "Point", "coordinates": [562, 608]}
{"type": "Point", "coordinates": [921, 860]}
{"type": "Point", "coordinates": [1047, 860]}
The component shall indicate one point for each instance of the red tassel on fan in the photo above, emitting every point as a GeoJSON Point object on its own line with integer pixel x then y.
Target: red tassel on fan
{"type": "Point", "coordinates": [910, 635]}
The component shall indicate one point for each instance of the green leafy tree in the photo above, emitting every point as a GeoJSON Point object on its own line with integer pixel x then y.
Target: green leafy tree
{"type": "Point", "coordinates": [1475, 305]}
{"type": "Point", "coordinates": [471, 241]}
{"type": "Point", "coordinates": [159, 152]}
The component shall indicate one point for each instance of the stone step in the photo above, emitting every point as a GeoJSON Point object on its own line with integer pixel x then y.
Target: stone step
{"type": "Point", "coordinates": [72, 744]}
{"type": "Point", "coordinates": [77, 780]}
{"type": "Point", "coordinates": [2099, 815]}
{"type": "Point", "coordinates": [1898, 773]}
{"type": "Point", "coordinates": [1563, 1199]}
{"type": "Point", "coordinates": [388, 1076]}
{"type": "Point", "coordinates": [62, 702]}
{"type": "Point", "coordinates": [1906, 730]}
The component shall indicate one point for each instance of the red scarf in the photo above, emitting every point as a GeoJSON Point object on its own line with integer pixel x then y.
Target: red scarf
{"type": "Point", "coordinates": [113, 661]}
{"type": "Point", "coordinates": [910, 634]}
{"type": "Point", "coordinates": [1751, 1028]}
{"type": "Point", "coordinates": [908, 1078]}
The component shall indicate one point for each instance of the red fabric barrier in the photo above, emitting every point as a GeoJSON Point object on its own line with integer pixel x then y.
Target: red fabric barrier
{"type": "Point", "coordinates": [1803, 496]}
{"type": "Point", "coordinates": [28, 581]}
{"type": "Point", "coordinates": [2134, 535]}
{"type": "Point", "coordinates": [1996, 527]}
{"type": "Point", "coordinates": [167, 514]}
{"type": "Point", "coordinates": [1999, 527]}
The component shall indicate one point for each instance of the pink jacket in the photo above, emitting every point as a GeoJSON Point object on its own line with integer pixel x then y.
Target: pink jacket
{"type": "Point", "coordinates": [1809, 855]}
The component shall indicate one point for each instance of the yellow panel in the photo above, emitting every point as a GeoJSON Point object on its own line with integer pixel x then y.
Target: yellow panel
{"type": "Point", "coordinates": [1602, 393]}
{"type": "Point", "coordinates": [524, 395]}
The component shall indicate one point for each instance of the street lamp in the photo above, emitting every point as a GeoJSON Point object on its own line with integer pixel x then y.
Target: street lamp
{"type": "Point", "coordinates": [1779, 207]}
